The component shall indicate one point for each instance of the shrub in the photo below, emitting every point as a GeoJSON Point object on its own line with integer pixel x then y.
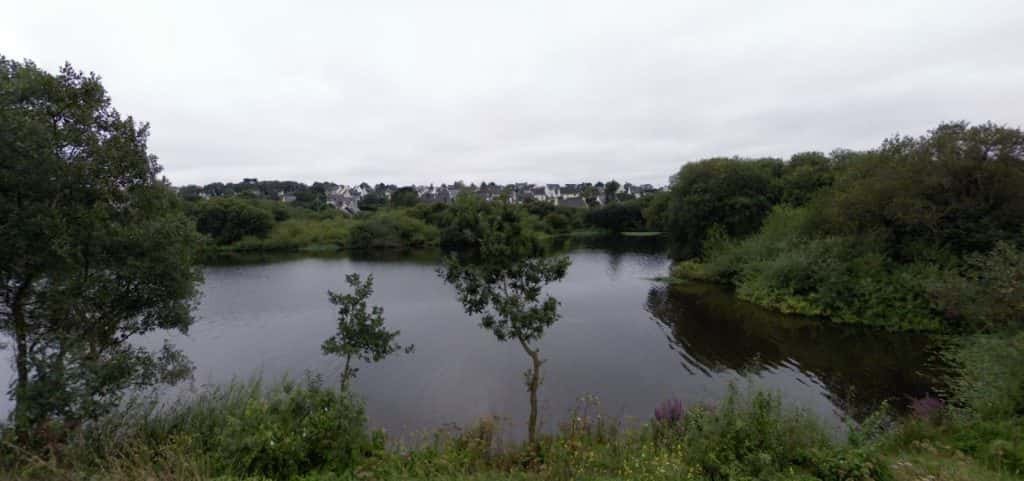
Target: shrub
{"type": "Point", "coordinates": [749, 437]}
{"type": "Point", "coordinates": [227, 220]}
{"type": "Point", "coordinates": [987, 294]}
{"type": "Point", "coordinates": [990, 384]}
{"type": "Point", "coordinates": [235, 430]}
{"type": "Point", "coordinates": [291, 430]}
{"type": "Point", "coordinates": [391, 229]}
{"type": "Point", "coordinates": [295, 234]}
{"type": "Point", "coordinates": [618, 217]}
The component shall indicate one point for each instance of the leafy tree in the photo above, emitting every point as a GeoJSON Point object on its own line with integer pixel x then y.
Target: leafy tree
{"type": "Point", "coordinates": [462, 222]}
{"type": "Point", "coordinates": [655, 211]}
{"type": "Point", "coordinates": [618, 217]}
{"type": "Point", "coordinates": [959, 188]}
{"type": "Point", "coordinates": [96, 249]}
{"type": "Point", "coordinates": [405, 197]}
{"type": "Point", "coordinates": [504, 284]}
{"type": "Point", "coordinates": [558, 221]}
{"type": "Point", "coordinates": [589, 193]}
{"type": "Point", "coordinates": [610, 189]}
{"type": "Point", "coordinates": [190, 192]}
{"type": "Point", "coordinates": [228, 220]}
{"type": "Point", "coordinates": [734, 194]}
{"type": "Point", "coordinates": [804, 175]}
{"type": "Point", "coordinates": [372, 201]}
{"type": "Point", "coordinates": [361, 333]}
{"type": "Point", "coordinates": [920, 233]}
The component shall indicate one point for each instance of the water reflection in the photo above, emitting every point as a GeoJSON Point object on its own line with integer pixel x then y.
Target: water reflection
{"type": "Point", "coordinates": [859, 368]}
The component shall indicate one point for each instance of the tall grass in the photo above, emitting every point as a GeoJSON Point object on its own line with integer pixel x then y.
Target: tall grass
{"type": "Point", "coordinates": [240, 429]}
{"type": "Point", "coordinates": [304, 431]}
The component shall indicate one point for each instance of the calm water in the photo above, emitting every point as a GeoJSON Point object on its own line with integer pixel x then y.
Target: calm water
{"type": "Point", "coordinates": [624, 337]}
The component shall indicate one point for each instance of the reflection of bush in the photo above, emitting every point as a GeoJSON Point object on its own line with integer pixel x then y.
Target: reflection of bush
{"type": "Point", "coordinates": [713, 331]}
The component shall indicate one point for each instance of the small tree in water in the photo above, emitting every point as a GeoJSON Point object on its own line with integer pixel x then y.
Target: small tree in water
{"type": "Point", "coordinates": [361, 332]}
{"type": "Point", "coordinates": [505, 286]}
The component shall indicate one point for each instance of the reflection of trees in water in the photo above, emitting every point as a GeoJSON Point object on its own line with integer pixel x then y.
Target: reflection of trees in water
{"type": "Point", "coordinates": [859, 367]}
{"type": "Point", "coordinates": [619, 244]}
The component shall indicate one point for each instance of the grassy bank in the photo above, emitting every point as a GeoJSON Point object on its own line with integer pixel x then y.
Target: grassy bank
{"type": "Point", "coordinates": [306, 431]}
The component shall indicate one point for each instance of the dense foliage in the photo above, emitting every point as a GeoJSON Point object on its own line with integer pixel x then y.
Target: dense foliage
{"type": "Point", "coordinates": [96, 249]}
{"type": "Point", "coordinates": [921, 233]}
{"type": "Point", "coordinates": [242, 223]}
{"type": "Point", "coordinates": [391, 230]}
{"type": "Point", "coordinates": [730, 194]}
{"type": "Point", "coordinates": [618, 217]}
{"type": "Point", "coordinates": [228, 220]}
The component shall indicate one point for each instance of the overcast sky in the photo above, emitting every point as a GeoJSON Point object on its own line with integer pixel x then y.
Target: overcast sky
{"type": "Point", "coordinates": [547, 91]}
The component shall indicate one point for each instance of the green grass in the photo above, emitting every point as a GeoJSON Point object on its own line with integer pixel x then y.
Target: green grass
{"type": "Point", "coordinates": [307, 432]}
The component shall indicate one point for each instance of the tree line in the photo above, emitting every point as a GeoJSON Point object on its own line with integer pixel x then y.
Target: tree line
{"type": "Point", "coordinates": [919, 233]}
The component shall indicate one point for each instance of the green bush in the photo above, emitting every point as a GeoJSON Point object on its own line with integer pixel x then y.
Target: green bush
{"type": "Point", "coordinates": [735, 194]}
{"type": "Point", "coordinates": [990, 384]}
{"type": "Point", "coordinates": [749, 437]}
{"type": "Point", "coordinates": [986, 294]}
{"type": "Point", "coordinates": [291, 430]}
{"type": "Point", "coordinates": [227, 220]}
{"type": "Point", "coordinates": [848, 279]}
{"type": "Point", "coordinates": [618, 217]}
{"type": "Point", "coordinates": [391, 229]}
{"type": "Point", "coordinates": [919, 234]}
{"type": "Point", "coordinates": [240, 429]}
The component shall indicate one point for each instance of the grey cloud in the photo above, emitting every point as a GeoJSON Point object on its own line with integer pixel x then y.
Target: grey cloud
{"type": "Point", "coordinates": [408, 91]}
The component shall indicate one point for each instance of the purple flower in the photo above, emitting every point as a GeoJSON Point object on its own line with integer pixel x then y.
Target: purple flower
{"type": "Point", "coordinates": [670, 411]}
{"type": "Point", "coordinates": [927, 407]}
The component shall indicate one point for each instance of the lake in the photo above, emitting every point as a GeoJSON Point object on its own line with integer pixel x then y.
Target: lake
{"type": "Point", "coordinates": [625, 338]}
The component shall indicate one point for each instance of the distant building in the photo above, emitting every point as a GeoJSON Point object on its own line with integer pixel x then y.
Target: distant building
{"type": "Point", "coordinates": [574, 202]}
{"type": "Point", "coordinates": [345, 199]}
{"type": "Point", "coordinates": [285, 197]}
{"type": "Point", "coordinates": [570, 191]}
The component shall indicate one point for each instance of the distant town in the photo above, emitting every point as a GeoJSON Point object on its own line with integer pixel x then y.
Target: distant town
{"type": "Point", "coordinates": [354, 198]}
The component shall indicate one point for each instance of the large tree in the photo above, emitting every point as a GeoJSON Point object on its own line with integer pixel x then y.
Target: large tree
{"type": "Point", "coordinates": [503, 282]}
{"type": "Point", "coordinates": [732, 194]}
{"type": "Point", "coordinates": [404, 197]}
{"type": "Point", "coordinates": [96, 248]}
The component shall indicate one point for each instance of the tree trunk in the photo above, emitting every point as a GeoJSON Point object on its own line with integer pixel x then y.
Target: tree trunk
{"type": "Point", "coordinates": [533, 384]}
{"type": "Point", "coordinates": [346, 374]}
{"type": "Point", "coordinates": [21, 357]}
